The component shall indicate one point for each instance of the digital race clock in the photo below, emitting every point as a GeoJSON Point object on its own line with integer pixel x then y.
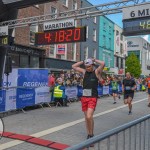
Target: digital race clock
{"type": "Point", "coordinates": [66, 35]}
{"type": "Point", "coordinates": [3, 40]}
{"type": "Point", "coordinates": [140, 26]}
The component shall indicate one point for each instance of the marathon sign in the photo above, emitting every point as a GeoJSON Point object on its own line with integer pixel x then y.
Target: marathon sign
{"type": "Point", "coordinates": [136, 11]}
{"type": "Point", "coordinates": [4, 31]}
{"type": "Point", "coordinates": [59, 24]}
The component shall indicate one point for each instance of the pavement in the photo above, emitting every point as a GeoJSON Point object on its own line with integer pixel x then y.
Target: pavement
{"type": "Point", "coordinates": [61, 127]}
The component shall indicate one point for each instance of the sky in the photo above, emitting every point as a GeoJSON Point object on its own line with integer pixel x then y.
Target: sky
{"type": "Point", "coordinates": [117, 18]}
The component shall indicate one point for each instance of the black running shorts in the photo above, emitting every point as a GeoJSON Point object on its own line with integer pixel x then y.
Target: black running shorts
{"type": "Point", "coordinates": [126, 95]}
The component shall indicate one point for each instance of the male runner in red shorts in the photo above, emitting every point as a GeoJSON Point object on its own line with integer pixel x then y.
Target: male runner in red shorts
{"type": "Point", "coordinates": [90, 92]}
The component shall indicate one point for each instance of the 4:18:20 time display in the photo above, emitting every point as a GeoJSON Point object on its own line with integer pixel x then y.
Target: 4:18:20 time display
{"type": "Point", "coordinates": [61, 36]}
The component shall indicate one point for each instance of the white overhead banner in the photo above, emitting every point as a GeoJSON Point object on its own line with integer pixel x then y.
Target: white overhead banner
{"type": "Point", "coordinates": [3, 30]}
{"type": "Point", "coordinates": [136, 11]}
{"type": "Point", "coordinates": [58, 24]}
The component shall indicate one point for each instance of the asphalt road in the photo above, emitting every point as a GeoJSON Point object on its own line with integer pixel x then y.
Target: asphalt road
{"type": "Point", "coordinates": [66, 124]}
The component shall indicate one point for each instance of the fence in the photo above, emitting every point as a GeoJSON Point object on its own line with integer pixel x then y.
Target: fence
{"type": "Point", "coordinates": [131, 136]}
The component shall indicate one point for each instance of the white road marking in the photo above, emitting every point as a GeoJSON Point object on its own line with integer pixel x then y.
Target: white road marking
{"type": "Point", "coordinates": [63, 126]}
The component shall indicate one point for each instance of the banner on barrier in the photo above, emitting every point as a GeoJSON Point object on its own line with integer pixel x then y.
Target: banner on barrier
{"type": "Point", "coordinates": [2, 100]}
{"type": "Point", "coordinates": [71, 92]}
{"type": "Point", "coordinates": [25, 97]}
{"type": "Point", "coordinates": [10, 102]}
{"type": "Point", "coordinates": [42, 95]}
{"type": "Point", "coordinates": [105, 90]}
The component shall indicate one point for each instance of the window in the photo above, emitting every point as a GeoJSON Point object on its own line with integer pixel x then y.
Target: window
{"type": "Point", "coordinates": [94, 19]}
{"type": "Point", "coordinates": [87, 31]}
{"type": "Point", "coordinates": [121, 37]}
{"type": "Point", "coordinates": [109, 42]}
{"type": "Point", "coordinates": [52, 49]}
{"type": "Point", "coordinates": [117, 32]}
{"type": "Point", "coordinates": [74, 51]}
{"type": "Point", "coordinates": [65, 2]}
{"type": "Point", "coordinates": [74, 5]}
{"type": "Point", "coordinates": [121, 63]}
{"type": "Point", "coordinates": [121, 48]}
{"type": "Point", "coordinates": [104, 26]}
{"type": "Point", "coordinates": [24, 61]}
{"type": "Point", "coordinates": [15, 60]}
{"type": "Point", "coordinates": [94, 53]}
{"type": "Point", "coordinates": [34, 62]}
{"type": "Point", "coordinates": [117, 61]}
{"type": "Point", "coordinates": [33, 30]}
{"type": "Point", "coordinates": [104, 57]}
{"type": "Point", "coordinates": [85, 52]}
{"type": "Point", "coordinates": [53, 11]}
{"type": "Point", "coordinates": [109, 29]}
{"type": "Point", "coordinates": [94, 35]}
{"type": "Point", "coordinates": [104, 40]}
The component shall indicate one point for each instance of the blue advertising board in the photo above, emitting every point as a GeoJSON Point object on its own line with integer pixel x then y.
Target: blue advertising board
{"type": "Point", "coordinates": [2, 100]}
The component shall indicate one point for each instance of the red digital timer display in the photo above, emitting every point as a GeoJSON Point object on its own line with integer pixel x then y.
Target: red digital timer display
{"type": "Point", "coordinates": [67, 35]}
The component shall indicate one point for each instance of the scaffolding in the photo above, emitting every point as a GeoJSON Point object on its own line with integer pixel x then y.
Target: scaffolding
{"type": "Point", "coordinates": [81, 13]}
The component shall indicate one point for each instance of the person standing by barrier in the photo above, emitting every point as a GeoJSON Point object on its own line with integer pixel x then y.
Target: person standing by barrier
{"type": "Point", "coordinates": [148, 86]}
{"type": "Point", "coordinates": [114, 85]}
{"type": "Point", "coordinates": [128, 87]}
{"type": "Point", "coordinates": [90, 92]}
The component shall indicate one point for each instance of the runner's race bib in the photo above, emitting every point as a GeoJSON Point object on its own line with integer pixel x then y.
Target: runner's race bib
{"type": "Point", "coordinates": [87, 92]}
{"type": "Point", "coordinates": [127, 88]}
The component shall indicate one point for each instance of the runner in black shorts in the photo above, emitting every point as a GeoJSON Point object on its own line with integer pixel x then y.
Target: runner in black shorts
{"type": "Point", "coordinates": [128, 87]}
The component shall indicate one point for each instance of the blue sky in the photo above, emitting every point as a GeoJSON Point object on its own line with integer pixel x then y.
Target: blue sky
{"type": "Point", "coordinates": [117, 18]}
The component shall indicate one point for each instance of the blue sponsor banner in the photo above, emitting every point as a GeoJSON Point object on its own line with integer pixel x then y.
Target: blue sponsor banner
{"type": "Point", "coordinates": [100, 90]}
{"type": "Point", "coordinates": [80, 91]}
{"type": "Point", "coordinates": [25, 97]}
{"type": "Point", "coordinates": [32, 77]}
{"type": "Point", "coordinates": [2, 100]}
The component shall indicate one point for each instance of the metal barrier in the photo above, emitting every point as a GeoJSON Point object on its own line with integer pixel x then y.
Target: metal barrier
{"type": "Point", "coordinates": [134, 135]}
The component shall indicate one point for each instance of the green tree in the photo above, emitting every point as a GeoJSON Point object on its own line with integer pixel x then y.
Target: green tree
{"type": "Point", "coordinates": [133, 65]}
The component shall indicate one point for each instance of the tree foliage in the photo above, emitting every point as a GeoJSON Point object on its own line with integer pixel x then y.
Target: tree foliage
{"type": "Point", "coordinates": [133, 65]}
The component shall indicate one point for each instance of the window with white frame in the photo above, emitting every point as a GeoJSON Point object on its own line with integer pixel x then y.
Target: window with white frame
{"type": "Point", "coordinates": [87, 31]}
{"type": "Point", "coordinates": [53, 11]}
{"type": "Point", "coordinates": [52, 50]}
{"type": "Point", "coordinates": [74, 51]}
{"type": "Point", "coordinates": [94, 19]}
{"type": "Point", "coordinates": [85, 52]}
{"type": "Point", "coordinates": [65, 2]}
{"type": "Point", "coordinates": [74, 5]}
{"type": "Point", "coordinates": [33, 30]}
{"type": "Point", "coordinates": [94, 35]}
{"type": "Point", "coordinates": [94, 53]}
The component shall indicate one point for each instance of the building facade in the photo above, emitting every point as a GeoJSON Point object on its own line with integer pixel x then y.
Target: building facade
{"type": "Point", "coordinates": [141, 48]}
{"type": "Point", "coordinates": [120, 51]}
{"type": "Point", "coordinates": [90, 48]}
{"type": "Point", "coordinates": [106, 41]}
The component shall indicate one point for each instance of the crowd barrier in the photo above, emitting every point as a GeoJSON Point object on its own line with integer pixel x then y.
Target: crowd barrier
{"type": "Point", "coordinates": [21, 97]}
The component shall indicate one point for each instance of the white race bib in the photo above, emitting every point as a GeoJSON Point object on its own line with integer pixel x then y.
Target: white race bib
{"type": "Point", "coordinates": [87, 92]}
{"type": "Point", "coordinates": [127, 88]}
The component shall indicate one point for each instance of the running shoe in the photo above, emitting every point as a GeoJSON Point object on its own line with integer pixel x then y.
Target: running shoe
{"type": "Point", "coordinates": [130, 113]}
